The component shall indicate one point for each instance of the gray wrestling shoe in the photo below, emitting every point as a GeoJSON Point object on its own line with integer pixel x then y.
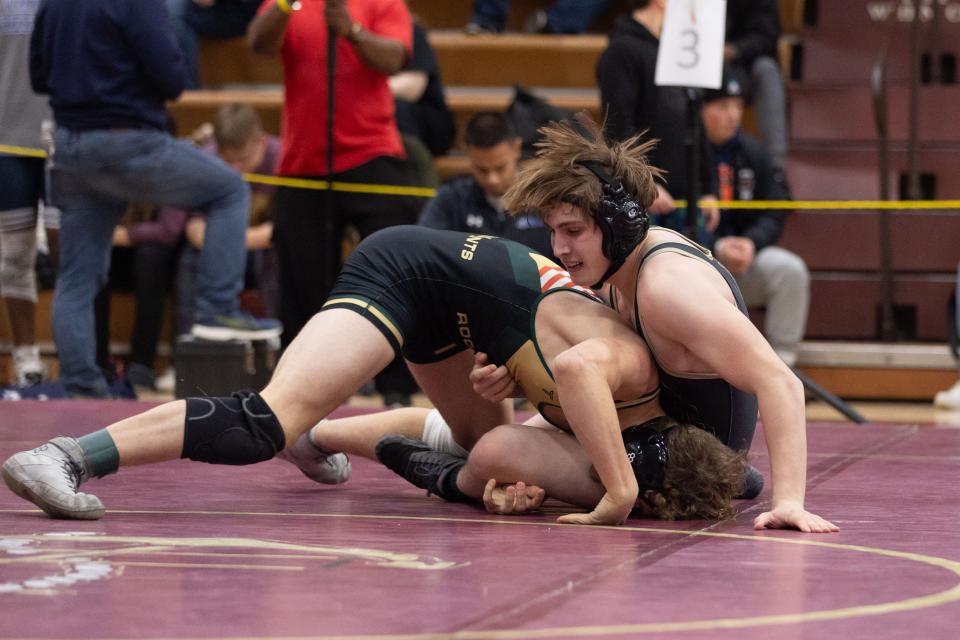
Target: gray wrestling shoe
{"type": "Point", "coordinates": [315, 463]}
{"type": "Point", "coordinates": [49, 476]}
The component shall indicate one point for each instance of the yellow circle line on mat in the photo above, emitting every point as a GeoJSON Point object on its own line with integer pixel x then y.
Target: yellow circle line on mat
{"type": "Point", "coordinates": [896, 606]}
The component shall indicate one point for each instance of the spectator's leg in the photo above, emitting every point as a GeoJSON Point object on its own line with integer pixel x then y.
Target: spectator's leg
{"type": "Point", "coordinates": [187, 39]}
{"type": "Point", "coordinates": [152, 267]}
{"type": "Point", "coordinates": [770, 101]}
{"type": "Point", "coordinates": [574, 16]}
{"type": "Point", "coordinates": [150, 166]}
{"type": "Point", "coordinates": [299, 240]}
{"type": "Point", "coordinates": [490, 14]}
{"type": "Point", "coordinates": [186, 290]}
{"type": "Point", "coordinates": [21, 185]}
{"type": "Point", "coordinates": [101, 324]}
{"type": "Point", "coordinates": [779, 280]}
{"type": "Point", "coordinates": [85, 237]}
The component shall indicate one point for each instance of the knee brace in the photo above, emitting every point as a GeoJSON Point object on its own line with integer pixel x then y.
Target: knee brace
{"type": "Point", "coordinates": [18, 254]}
{"type": "Point", "coordinates": [240, 429]}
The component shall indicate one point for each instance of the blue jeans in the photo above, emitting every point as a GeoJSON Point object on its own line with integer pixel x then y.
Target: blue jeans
{"type": "Point", "coordinates": [565, 16]}
{"type": "Point", "coordinates": [94, 175]}
{"type": "Point", "coordinates": [225, 19]}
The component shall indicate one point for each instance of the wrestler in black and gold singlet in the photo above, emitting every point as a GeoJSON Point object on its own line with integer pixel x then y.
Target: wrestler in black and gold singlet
{"type": "Point", "coordinates": [435, 293]}
{"type": "Point", "coordinates": [705, 400]}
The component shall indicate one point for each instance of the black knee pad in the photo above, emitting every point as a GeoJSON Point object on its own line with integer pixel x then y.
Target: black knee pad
{"type": "Point", "coordinates": [241, 429]}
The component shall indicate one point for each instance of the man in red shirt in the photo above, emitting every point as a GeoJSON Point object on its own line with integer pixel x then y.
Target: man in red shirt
{"type": "Point", "coordinates": [374, 40]}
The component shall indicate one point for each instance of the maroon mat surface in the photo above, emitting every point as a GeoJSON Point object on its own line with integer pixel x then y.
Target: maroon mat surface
{"type": "Point", "coordinates": [189, 550]}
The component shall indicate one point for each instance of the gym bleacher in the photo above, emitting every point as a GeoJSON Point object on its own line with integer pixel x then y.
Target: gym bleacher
{"type": "Point", "coordinates": [828, 52]}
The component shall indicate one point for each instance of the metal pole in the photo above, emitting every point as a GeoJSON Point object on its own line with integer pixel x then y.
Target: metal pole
{"type": "Point", "coordinates": [691, 143]}
{"type": "Point", "coordinates": [913, 176]}
{"type": "Point", "coordinates": [879, 86]}
{"type": "Point", "coordinates": [330, 268]}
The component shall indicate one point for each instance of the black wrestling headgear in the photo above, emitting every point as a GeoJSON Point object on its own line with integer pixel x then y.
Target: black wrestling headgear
{"type": "Point", "coordinates": [622, 221]}
{"type": "Point", "coordinates": [646, 446]}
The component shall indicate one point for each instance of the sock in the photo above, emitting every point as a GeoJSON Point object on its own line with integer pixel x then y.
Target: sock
{"type": "Point", "coordinates": [100, 453]}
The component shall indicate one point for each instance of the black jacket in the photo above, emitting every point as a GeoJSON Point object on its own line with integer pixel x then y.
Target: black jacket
{"type": "Point", "coordinates": [106, 63]}
{"type": "Point", "coordinates": [753, 28]}
{"type": "Point", "coordinates": [753, 178]}
{"type": "Point", "coordinates": [460, 205]}
{"type": "Point", "coordinates": [633, 103]}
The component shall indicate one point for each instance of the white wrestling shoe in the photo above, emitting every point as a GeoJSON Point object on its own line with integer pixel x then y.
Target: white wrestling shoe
{"type": "Point", "coordinates": [49, 476]}
{"type": "Point", "coordinates": [949, 399]}
{"type": "Point", "coordinates": [315, 463]}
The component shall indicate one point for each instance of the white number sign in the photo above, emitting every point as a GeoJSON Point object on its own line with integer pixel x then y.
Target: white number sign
{"type": "Point", "coordinates": [691, 44]}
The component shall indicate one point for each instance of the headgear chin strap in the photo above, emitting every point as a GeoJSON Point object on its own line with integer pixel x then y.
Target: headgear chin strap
{"type": "Point", "coordinates": [646, 446]}
{"type": "Point", "coordinates": [622, 221]}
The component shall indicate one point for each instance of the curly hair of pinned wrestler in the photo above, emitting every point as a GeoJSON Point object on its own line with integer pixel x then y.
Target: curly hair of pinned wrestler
{"type": "Point", "coordinates": [701, 478]}
{"type": "Point", "coordinates": [554, 175]}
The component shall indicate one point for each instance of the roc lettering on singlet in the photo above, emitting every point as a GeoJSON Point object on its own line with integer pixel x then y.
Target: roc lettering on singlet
{"type": "Point", "coordinates": [463, 326]}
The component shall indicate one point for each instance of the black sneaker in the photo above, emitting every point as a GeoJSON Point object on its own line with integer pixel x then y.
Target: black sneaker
{"type": "Point", "coordinates": [421, 466]}
{"type": "Point", "coordinates": [752, 484]}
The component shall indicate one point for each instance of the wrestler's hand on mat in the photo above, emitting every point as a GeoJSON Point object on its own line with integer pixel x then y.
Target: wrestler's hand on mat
{"type": "Point", "coordinates": [512, 499]}
{"type": "Point", "coordinates": [793, 516]}
{"type": "Point", "coordinates": [608, 511]}
{"type": "Point", "coordinates": [490, 382]}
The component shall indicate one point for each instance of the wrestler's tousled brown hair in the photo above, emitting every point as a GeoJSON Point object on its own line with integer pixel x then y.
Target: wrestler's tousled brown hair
{"type": "Point", "coordinates": [554, 175]}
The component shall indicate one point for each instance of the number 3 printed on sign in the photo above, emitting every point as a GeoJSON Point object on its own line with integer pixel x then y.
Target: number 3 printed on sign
{"type": "Point", "coordinates": [691, 40]}
{"type": "Point", "coordinates": [691, 44]}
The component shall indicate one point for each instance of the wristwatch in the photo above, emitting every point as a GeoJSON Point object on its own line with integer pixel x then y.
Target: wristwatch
{"type": "Point", "coordinates": [355, 30]}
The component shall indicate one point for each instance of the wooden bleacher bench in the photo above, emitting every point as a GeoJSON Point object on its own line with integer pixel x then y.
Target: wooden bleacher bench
{"type": "Point", "coordinates": [194, 108]}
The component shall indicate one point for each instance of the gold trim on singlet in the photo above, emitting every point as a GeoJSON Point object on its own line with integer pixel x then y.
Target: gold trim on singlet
{"type": "Point", "coordinates": [366, 305]}
{"type": "Point", "coordinates": [443, 350]}
{"type": "Point", "coordinates": [529, 368]}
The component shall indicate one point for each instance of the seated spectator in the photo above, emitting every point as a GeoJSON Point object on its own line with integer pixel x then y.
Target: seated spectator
{"type": "Point", "coordinates": [144, 260]}
{"type": "Point", "coordinates": [421, 107]}
{"type": "Point", "coordinates": [239, 140]}
{"type": "Point", "coordinates": [473, 203]}
{"type": "Point", "coordinates": [565, 16]}
{"type": "Point", "coordinates": [753, 30]}
{"type": "Point", "coordinates": [769, 276]}
{"type": "Point", "coordinates": [213, 19]}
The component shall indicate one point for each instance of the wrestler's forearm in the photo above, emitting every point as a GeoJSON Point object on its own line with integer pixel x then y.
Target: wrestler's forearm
{"type": "Point", "coordinates": [784, 427]}
{"type": "Point", "coordinates": [589, 408]}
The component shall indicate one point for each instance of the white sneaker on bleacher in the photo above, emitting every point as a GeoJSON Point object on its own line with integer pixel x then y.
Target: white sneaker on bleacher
{"type": "Point", "coordinates": [949, 399]}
